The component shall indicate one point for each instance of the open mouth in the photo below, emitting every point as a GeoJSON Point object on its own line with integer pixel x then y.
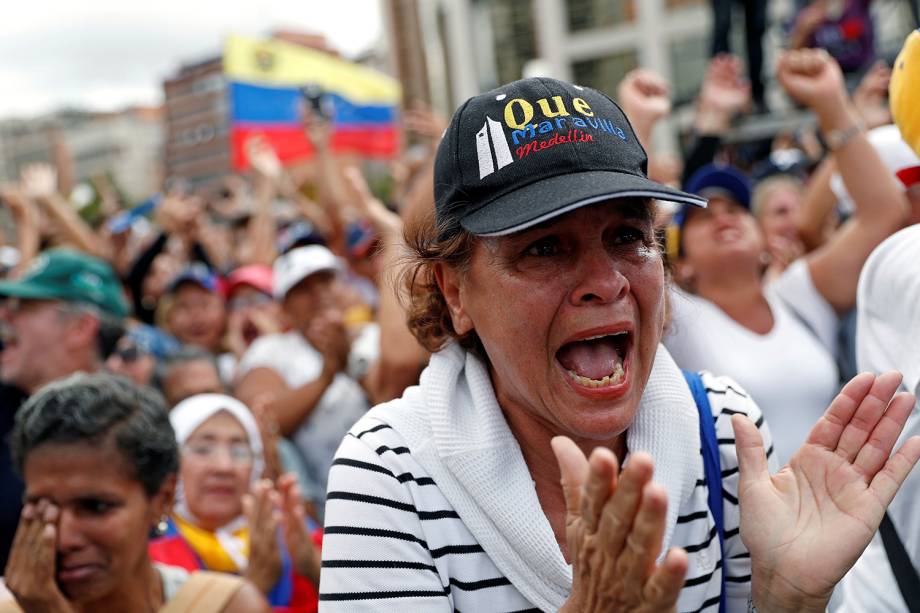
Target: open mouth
{"type": "Point", "coordinates": [597, 361]}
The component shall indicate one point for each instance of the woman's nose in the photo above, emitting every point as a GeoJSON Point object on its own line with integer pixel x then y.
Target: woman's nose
{"type": "Point", "coordinates": [599, 279]}
{"type": "Point", "coordinates": [70, 537]}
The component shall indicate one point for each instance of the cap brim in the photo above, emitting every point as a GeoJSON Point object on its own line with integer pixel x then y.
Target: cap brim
{"type": "Point", "coordinates": [548, 198]}
{"type": "Point", "coordinates": [30, 291]}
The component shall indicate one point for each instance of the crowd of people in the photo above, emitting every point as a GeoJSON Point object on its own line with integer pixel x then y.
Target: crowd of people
{"type": "Point", "coordinates": [605, 378]}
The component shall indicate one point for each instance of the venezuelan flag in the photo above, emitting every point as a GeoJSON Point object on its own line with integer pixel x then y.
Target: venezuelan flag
{"type": "Point", "coordinates": [265, 78]}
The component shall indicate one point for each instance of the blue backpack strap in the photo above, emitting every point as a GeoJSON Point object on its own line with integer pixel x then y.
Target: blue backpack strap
{"type": "Point", "coordinates": [711, 463]}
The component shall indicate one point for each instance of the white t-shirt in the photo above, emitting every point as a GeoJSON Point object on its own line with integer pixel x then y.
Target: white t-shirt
{"type": "Point", "coordinates": [790, 371]}
{"type": "Point", "coordinates": [341, 405]}
{"type": "Point", "coordinates": [888, 304]}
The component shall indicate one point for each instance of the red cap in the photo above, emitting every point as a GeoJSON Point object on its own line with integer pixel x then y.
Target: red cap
{"type": "Point", "coordinates": [255, 275]}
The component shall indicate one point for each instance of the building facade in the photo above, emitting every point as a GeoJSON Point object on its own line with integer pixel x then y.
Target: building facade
{"type": "Point", "coordinates": [197, 148]}
{"type": "Point", "coordinates": [125, 146]}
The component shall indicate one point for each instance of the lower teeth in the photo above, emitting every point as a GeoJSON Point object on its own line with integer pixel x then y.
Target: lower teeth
{"type": "Point", "coordinates": [613, 378]}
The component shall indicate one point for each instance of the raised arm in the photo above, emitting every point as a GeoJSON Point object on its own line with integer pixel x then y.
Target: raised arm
{"type": "Point", "coordinates": [39, 182]}
{"type": "Point", "coordinates": [813, 78]}
{"type": "Point", "coordinates": [28, 236]}
{"type": "Point", "coordinates": [400, 354]}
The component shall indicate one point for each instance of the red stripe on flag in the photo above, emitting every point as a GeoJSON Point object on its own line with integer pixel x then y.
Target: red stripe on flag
{"type": "Point", "coordinates": [371, 142]}
{"type": "Point", "coordinates": [291, 144]}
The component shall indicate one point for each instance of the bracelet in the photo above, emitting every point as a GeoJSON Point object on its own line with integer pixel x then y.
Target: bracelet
{"type": "Point", "coordinates": [836, 139]}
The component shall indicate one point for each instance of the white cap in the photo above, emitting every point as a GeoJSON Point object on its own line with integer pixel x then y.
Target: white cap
{"type": "Point", "coordinates": [895, 153]}
{"type": "Point", "coordinates": [298, 264]}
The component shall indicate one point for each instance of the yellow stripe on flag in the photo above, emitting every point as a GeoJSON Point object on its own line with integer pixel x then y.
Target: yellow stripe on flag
{"type": "Point", "coordinates": [278, 63]}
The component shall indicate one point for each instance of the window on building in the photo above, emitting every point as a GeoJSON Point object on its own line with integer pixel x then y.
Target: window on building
{"type": "Point", "coordinates": [590, 14]}
{"type": "Point", "coordinates": [513, 37]}
{"type": "Point", "coordinates": [604, 73]}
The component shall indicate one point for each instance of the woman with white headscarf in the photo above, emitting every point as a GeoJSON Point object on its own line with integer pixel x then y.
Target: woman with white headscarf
{"type": "Point", "coordinates": [888, 330]}
{"type": "Point", "coordinates": [216, 525]}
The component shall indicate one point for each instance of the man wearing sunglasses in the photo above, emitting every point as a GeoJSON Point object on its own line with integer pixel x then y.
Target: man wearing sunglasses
{"type": "Point", "coordinates": [59, 318]}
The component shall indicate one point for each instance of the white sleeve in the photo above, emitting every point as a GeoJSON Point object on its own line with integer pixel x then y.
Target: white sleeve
{"type": "Point", "coordinates": [797, 290]}
{"type": "Point", "coordinates": [680, 338]}
{"type": "Point", "coordinates": [258, 355]}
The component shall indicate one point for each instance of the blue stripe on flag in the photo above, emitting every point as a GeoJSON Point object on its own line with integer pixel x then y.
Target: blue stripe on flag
{"type": "Point", "coordinates": [281, 105]}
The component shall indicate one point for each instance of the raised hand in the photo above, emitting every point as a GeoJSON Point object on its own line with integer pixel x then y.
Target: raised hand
{"type": "Point", "coordinates": [265, 565]}
{"type": "Point", "coordinates": [327, 333]}
{"type": "Point", "coordinates": [304, 554]}
{"type": "Point", "coordinates": [614, 527]}
{"type": "Point", "coordinates": [263, 157]}
{"type": "Point", "coordinates": [814, 78]}
{"type": "Point", "coordinates": [724, 87]}
{"type": "Point", "coordinates": [806, 525]}
{"type": "Point", "coordinates": [424, 121]}
{"type": "Point", "coordinates": [39, 181]}
{"type": "Point", "coordinates": [871, 96]}
{"type": "Point", "coordinates": [30, 571]}
{"type": "Point", "coordinates": [644, 95]}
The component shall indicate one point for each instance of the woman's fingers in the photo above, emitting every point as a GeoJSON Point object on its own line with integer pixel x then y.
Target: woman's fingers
{"type": "Point", "coordinates": [601, 483]}
{"type": "Point", "coordinates": [663, 588]}
{"type": "Point", "coordinates": [752, 457]}
{"type": "Point", "coordinates": [887, 481]}
{"type": "Point", "coordinates": [621, 508]}
{"type": "Point", "coordinates": [867, 415]}
{"type": "Point", "coordinates": [643, 544]}
{"type": "Point", "coordinates": [873, 455]}
{"type": "Point", "coordinates": [827, 431]}
{"type": "Point", "coordinates": [573, 470]}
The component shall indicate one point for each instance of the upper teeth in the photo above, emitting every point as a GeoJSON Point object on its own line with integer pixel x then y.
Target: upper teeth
{"type": "Point", "coordinates": [591, 338]}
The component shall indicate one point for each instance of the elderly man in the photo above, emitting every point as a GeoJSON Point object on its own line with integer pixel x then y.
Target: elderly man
{"type": "Point", "coordinates": [57, 319]}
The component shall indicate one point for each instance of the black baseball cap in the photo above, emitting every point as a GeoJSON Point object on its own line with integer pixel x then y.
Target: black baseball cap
{"type": "Point", "coordinates": [534, 149]}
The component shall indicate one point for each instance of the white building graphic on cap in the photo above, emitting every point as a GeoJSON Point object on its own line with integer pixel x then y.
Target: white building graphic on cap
{"type": "Point", "coordinates": [491, 138]}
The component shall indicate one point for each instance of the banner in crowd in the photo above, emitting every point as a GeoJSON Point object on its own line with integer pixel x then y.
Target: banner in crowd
{"type": "Point", "coordinates": [266, 80]}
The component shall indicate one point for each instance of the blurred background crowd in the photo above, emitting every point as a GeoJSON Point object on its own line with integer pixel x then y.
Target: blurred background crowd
{"type": "Point", "coordinates": [238, 246]}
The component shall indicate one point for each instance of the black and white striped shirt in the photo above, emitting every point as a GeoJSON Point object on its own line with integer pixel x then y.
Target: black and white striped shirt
{"type": "Point", "coordinates": [394, 543]}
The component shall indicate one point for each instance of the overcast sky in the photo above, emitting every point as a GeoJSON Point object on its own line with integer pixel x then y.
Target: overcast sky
{"type": "Point", "coordinates": [107, 54]}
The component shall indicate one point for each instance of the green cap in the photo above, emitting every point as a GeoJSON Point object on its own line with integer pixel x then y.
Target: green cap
{"type": "Point", "coordinates": [71, 276]}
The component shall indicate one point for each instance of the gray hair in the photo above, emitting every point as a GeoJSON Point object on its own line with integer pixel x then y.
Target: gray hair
{"type": "Point", "coordinates": [95, 409]}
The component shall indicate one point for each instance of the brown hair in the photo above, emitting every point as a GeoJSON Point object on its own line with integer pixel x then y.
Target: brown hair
{"type": "Point", "coordinates": [428, 315]}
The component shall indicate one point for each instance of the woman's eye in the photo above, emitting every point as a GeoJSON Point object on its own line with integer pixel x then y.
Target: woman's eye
{"type": "Point", "coordinates": [625, 236]}
{"type": "Point", "coordinates": [544, 247]}
{"type": "Point", "coordinates": [96, 507]}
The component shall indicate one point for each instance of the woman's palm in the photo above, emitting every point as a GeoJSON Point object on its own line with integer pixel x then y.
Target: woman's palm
{"type": "Point", "coordinates": [808, 524]}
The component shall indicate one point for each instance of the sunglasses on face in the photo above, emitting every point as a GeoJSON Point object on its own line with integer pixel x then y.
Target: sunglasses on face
{"type": "Point", "coordinates": [130, 353]}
